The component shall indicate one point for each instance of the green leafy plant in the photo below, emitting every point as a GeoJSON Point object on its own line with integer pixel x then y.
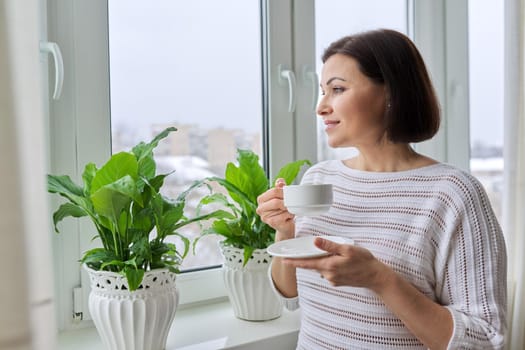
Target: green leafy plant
{"type": "Point", "coordinates": [239, 224]}
{"type": "Point", "coordinates": [131, 217]}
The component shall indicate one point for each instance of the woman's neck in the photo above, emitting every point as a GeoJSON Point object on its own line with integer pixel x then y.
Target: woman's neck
{"type": "Point", "coordinates": [388, 158]}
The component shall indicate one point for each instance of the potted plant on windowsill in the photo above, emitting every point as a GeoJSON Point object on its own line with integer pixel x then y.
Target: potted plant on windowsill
{"type": "Point", "coordinates": [133, 295]}
{"type": "Point", "coordinates": [246, 237]}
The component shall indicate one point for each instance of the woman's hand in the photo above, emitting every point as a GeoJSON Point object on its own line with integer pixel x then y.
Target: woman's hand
{"type": "Point", "coordinates": [272, 211]}
{"type": "Point", "coordinates": [348, 265]}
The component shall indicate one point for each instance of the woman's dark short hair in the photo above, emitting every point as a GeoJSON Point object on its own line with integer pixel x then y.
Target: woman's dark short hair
{"type": "Point", "coordinates": [391, 58]}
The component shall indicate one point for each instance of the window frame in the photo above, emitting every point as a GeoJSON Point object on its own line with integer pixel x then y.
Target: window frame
{"type": "Point", "coordinates": [78, 117]}
{"type": "Point", "coordinates": [440, 31]}
{"type": "Point", "coordinates": [83, 112]}
{"type": "Point", "coordinates": [83, 115]}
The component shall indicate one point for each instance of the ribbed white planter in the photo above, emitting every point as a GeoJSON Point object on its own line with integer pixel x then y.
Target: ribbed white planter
{"type": "Point", "coordinates": [138, 320]}
{"type": "Point", "coordinates": [248, 287]}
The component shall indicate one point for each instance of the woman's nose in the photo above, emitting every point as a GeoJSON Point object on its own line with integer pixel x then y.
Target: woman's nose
{"type": "Point", "coordinates": [323, 108]}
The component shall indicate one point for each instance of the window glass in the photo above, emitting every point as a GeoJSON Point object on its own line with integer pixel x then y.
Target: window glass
{"type": "Point", "coordinates": [486, 96]}
{"type": "Point", "coordinates": [195, 65]}
{"type": "Point", "coordinates": [337, 18]}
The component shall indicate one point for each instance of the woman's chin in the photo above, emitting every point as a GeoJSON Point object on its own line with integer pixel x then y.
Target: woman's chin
{"type": "Point", "coordinates": [333, 143]}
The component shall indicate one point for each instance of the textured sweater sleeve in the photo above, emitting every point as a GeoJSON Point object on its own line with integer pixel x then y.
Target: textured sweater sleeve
{"type": "Point", "coordinates": [289, 303]}
{"type": "Point", "coordinates": [471, 267]}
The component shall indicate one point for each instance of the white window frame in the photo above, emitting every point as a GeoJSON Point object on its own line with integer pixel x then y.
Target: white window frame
{"type": "Point", "coordinates": [79, 128]}
{"type": "Point", "coordinates": [291, 47]}
{"type": "Point", "coordinates": [440, 30]}
{"type": "Point", "coordinates": [80, 131]}
{"type": "Point", "coordinates": [80, 121]}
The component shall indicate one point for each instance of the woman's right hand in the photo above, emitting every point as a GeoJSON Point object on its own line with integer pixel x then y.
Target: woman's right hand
{"type": "Point", "coordinates": [272, 211]}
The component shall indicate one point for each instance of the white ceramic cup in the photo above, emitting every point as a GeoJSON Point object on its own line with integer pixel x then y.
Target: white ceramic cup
{"type": "Point", "coordinates": [308, 200]}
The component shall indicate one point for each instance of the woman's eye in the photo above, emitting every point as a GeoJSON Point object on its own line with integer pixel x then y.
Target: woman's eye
{"type": "Point", "coordinates": [338, 89]}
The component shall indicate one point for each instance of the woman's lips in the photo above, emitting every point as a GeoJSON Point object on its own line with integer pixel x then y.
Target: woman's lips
{"type": "Point", "coordinates": [330, 124]}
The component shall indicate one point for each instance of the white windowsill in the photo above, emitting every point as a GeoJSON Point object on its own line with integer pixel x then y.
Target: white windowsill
{"type": "Point", "coordinates": [207, 327]}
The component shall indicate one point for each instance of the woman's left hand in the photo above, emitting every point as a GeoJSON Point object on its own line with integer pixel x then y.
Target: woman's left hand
{"type": "Point", "coordinates": [348, 265]}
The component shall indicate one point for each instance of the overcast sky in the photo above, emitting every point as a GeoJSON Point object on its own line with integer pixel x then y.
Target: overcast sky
{"type": "Point", "coordinates": [199, 61]}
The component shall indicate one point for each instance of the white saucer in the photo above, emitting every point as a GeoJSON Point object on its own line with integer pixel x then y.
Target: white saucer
{"type": "Point", "coordinates": [309, 210]}
{"type": "Point", "coordinates": [302, 247]}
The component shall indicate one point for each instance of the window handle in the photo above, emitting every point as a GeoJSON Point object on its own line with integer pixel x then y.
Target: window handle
{"type": "Point", "coordinates": [53, 49]}
{"type": "Point", "coordinates": [286, 75]}
{"type": "Point", "coordinates": [309, 75]}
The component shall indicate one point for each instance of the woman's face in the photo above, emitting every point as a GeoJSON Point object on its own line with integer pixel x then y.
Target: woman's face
{"type": "Point", "coordinates": [352, 105]}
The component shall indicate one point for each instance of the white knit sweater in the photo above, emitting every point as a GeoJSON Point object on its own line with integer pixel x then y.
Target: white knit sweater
{"type": "Point", "coordinates": [435, 227]}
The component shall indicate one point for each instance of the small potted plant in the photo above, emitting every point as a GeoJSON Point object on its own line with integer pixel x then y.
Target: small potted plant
{"type": "Point", "coordinates": [133, 295]}
{"type": "Point", "coordinates": [246, 237]}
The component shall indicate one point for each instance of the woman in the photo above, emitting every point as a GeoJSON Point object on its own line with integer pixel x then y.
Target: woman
{"type": "Point", "coordinates": [428, 265]}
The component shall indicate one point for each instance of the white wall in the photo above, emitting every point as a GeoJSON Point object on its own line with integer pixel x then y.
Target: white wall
{"type": "Point", "coordinates": [26, 295]}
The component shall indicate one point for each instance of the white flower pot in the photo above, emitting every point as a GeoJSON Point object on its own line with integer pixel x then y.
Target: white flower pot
{"type": "Point", "coordinates": [248, 286]}
{"type": "Point", "coordinates": [138, 320]}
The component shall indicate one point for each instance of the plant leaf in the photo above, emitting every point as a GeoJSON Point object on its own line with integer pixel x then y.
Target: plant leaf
{"type": "Point", "coordinates": [96, 257]}
{"type": "Point", "coordinates": [141, 248]}
{"type": "Point", "coordinates": [87, 176]}
{"type": "Point", "coordinates": [248, 251]}
{"type": "Point", "coordinates": [143, 221]}
{"type": "Point", "coordinates": [230, 229]}
{"type": "Point", "coordinates": [145, 149]}
{"type": "Point", "coordinates": [156, 182]}
{"type": "Point", "coordinates": [122, 198]}
{"type": "Point", "coordinates": [249, 176]}
{"type": "Point", "coordinates": [216, 214]}
{"type": "Point", "coordinates": [65, 210]}
{"type": "Point", "coordinates": [243, 228]}
{"type": "Point", "coordinates": [186, 243]}
{"type": "Point", "coordinates": [134, 277]}
{"type": "Point", "coordinates": [147, 167]}
{"type": "Point", "coordinates": [197, 183]}
{"type": "Point", "coordinates": [247, 205]}
{"type": "Point", "coordinates": [112, 198]}
{"type": "Point", "coordinates": [290, 171]}
{"type": "Point", "coordinates": [167, 214]}
{"type": "Point", "coordinates": [64, 186]}
{"type": "Point", "coordinates": [118, 166]}
{"type": "Point", "coordinates": [123, 225]}
{"type": "Point", "coordinates": [116, 263]}
{"type": "Point", "coordinates": [218, 198]}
